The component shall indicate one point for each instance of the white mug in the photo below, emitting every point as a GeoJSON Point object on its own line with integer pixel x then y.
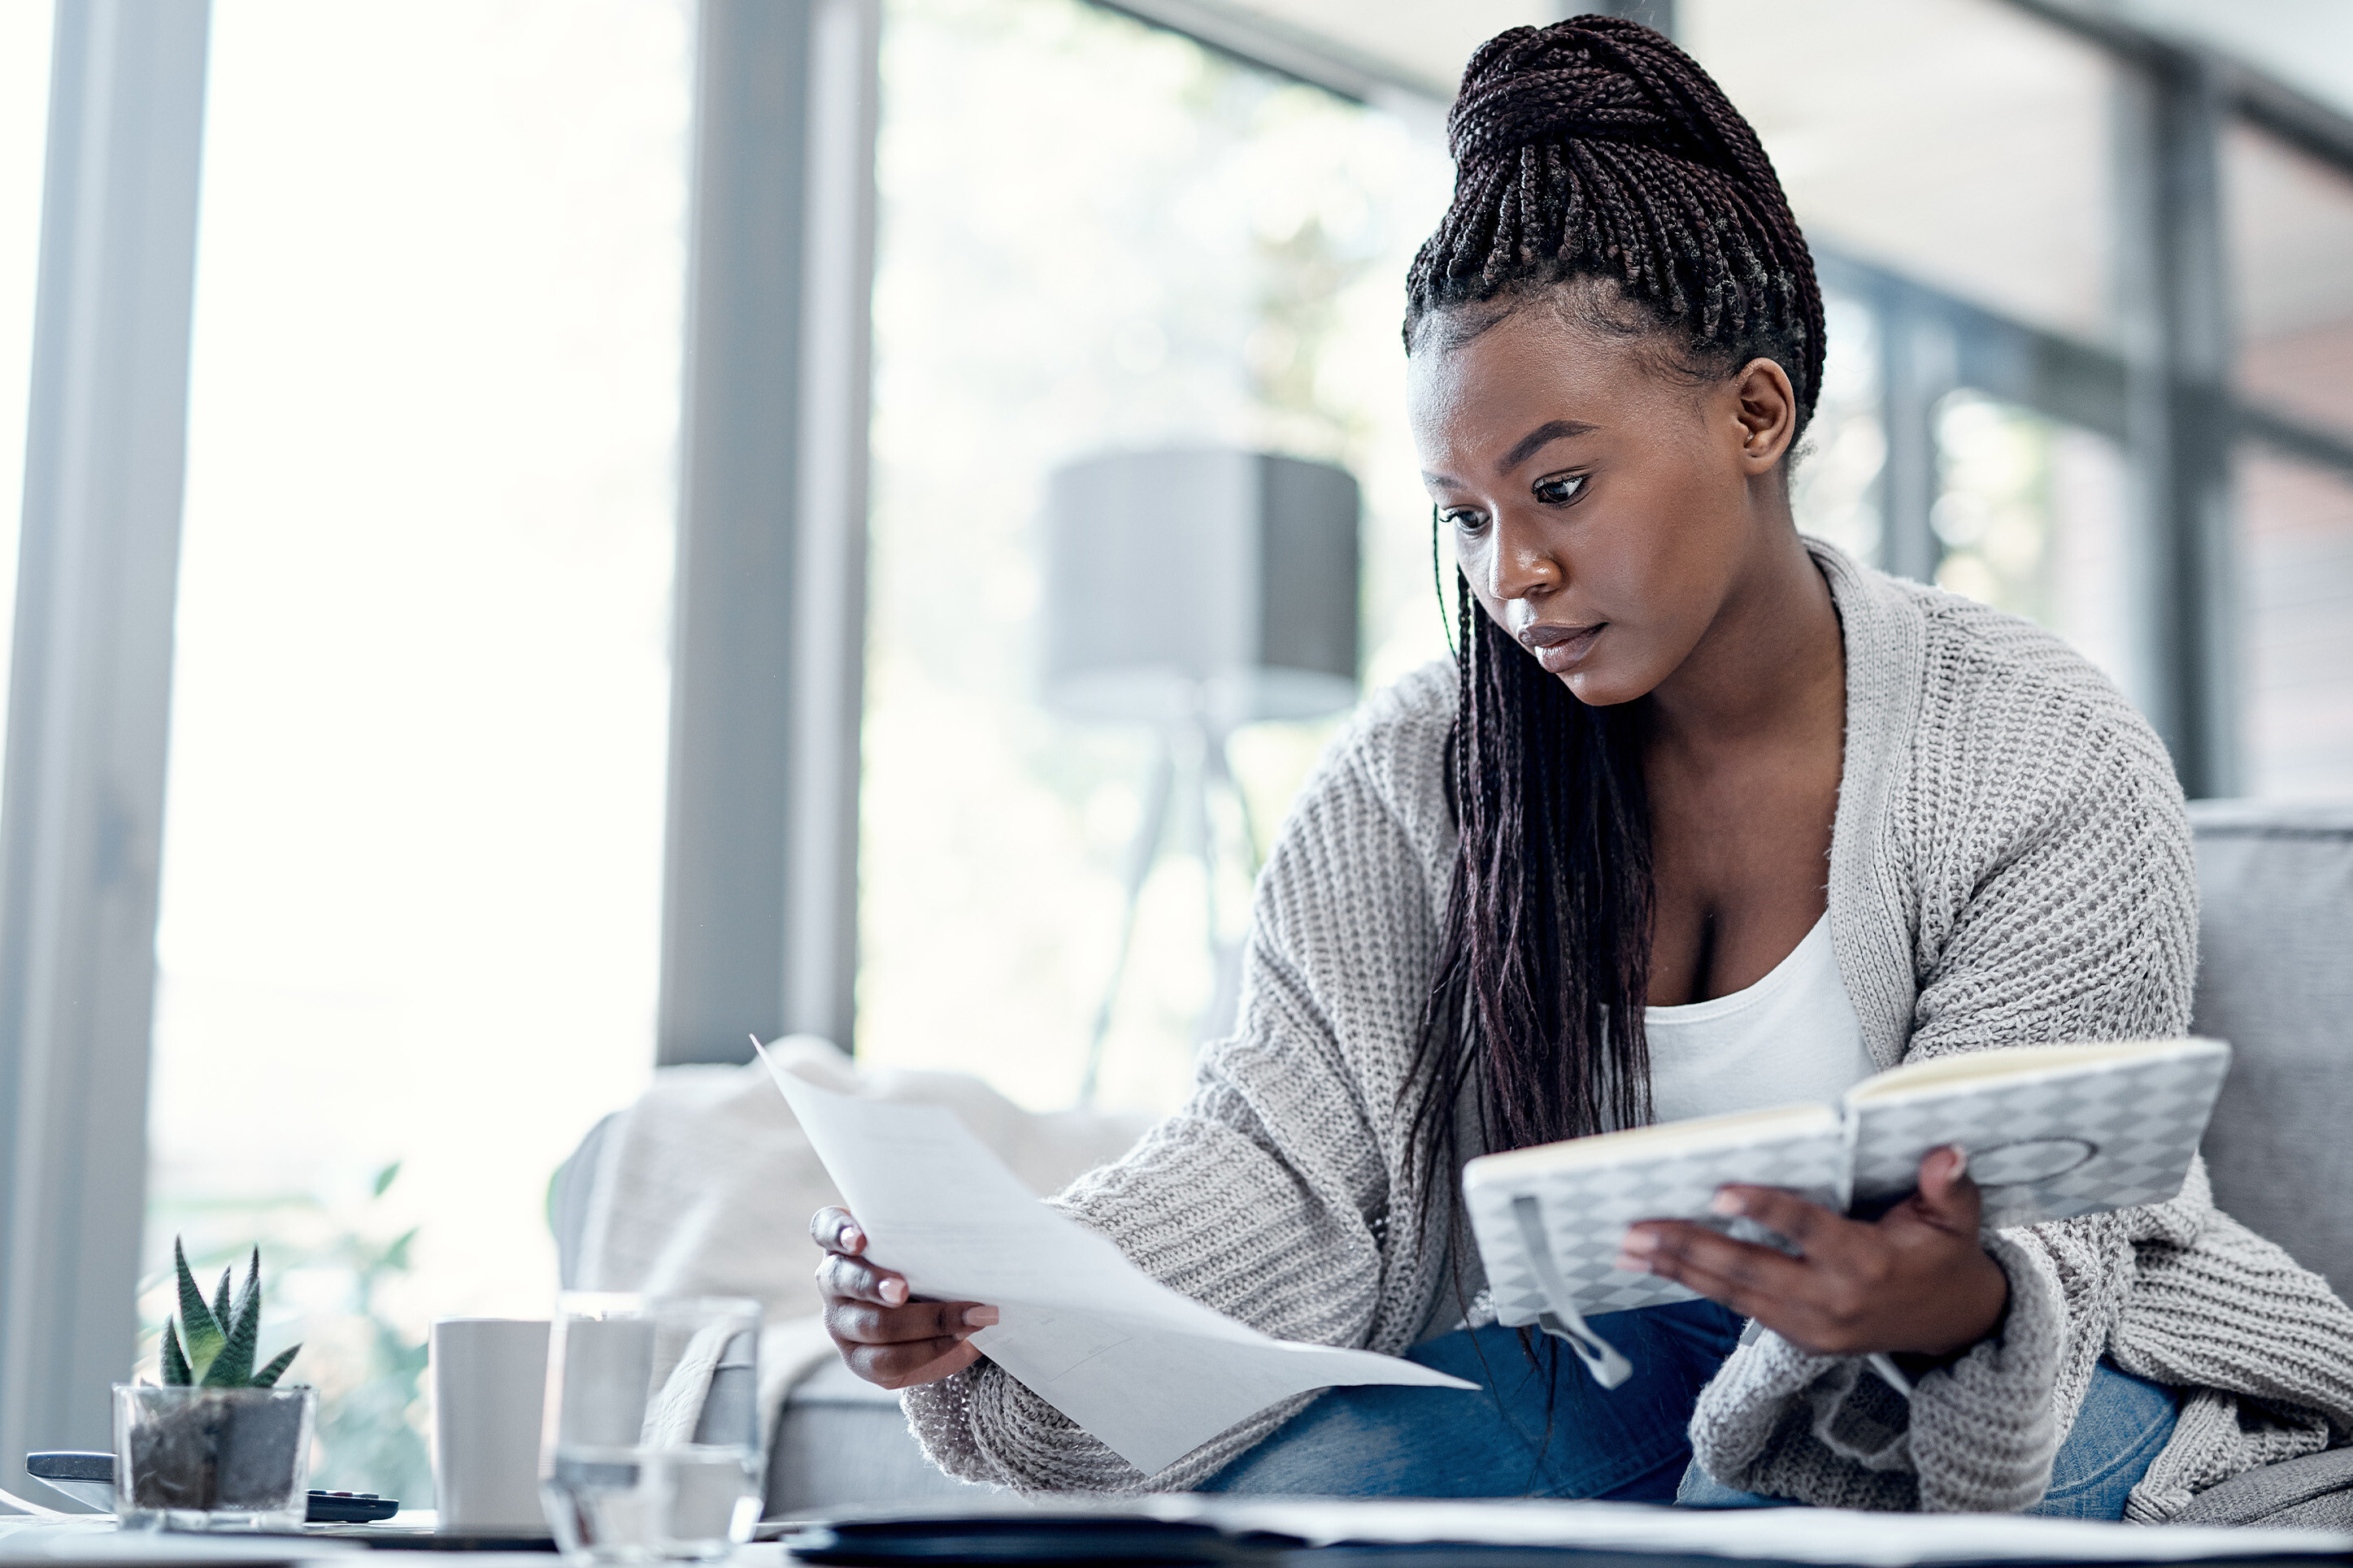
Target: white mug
{"type": "Point", "coordinates": [490, 1385]}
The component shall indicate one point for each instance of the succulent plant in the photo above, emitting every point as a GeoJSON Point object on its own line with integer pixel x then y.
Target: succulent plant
{"type": "Point", "coordinates": [214, 1344]}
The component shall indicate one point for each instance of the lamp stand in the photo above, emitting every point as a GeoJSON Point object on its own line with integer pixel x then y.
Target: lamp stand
{"type": "Point", "coordinates": [1188, 760]}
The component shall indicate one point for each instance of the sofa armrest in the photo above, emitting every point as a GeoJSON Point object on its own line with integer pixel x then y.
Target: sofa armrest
{"type": "Point", "coordinates": [2313, 1492]}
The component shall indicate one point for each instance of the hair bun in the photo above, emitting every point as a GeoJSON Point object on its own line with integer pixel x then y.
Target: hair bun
{"type": "Point", "coordinates": [1596, 148]}
{"type": "Point", "coordinates": [1591, 78]}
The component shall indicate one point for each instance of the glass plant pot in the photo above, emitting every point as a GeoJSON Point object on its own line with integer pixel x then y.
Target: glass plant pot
{"type": "Point", "coordinates": [212, 1459]}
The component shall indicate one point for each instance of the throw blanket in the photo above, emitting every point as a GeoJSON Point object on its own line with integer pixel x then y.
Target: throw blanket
{"type": "Point", "coordinates": [2009, 866]}
{"type": "Point", "coordinates": [705, 1186]}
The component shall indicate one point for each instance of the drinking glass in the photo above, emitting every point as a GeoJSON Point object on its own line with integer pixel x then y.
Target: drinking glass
{"type": "Point", "coordinates": [650, 1451]}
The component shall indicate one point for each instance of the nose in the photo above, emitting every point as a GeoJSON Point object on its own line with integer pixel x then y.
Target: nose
{"type": "Point", "coordinates": [1521, 562]}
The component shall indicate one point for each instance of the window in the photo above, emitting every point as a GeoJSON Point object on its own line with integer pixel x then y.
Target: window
{"type": "Point", "coordinates": [410, 888]}
{"type": "Point", "coordinates": [1837, 474]}
{"type": "Point", "coordinates": [2031, 515]}
{"type": "Point", "coordinates": [2296, 579]}
{"type": "Point", "coordinates": [2290, 222]}
{"type": "Point", "coordinates": [1962, 143]}
{"type": "Point", "coordinates": [1094, 235]}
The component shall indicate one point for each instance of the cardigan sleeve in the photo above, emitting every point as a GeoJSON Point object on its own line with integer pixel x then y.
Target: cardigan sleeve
{"type": "Point", "coordinates": [1267, 1195]}
{"type": "Point", "coordinates": [2063, 906]}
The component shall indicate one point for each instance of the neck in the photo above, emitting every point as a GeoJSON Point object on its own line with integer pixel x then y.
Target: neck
{"type": "Point", "coordinates": [1771, 663]}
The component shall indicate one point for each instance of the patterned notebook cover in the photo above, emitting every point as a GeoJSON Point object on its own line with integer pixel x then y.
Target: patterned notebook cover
{"type": "Point", "coordinates": [1588, 1203]}
{"type": "Point", "coordinates": [2051, 1142]}
{"type": "Point", "coordinates": [2060, 1131]}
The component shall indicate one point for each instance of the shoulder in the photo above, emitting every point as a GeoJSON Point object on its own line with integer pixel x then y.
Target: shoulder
{"type": "Point", "coordinates": [1396, 742]}
{"type": "Point", "coordinates": [1379, 794]}
{"type": "Point", "coordinates": [2020, 830]}
{"type": "Point", "coordinates": [1991, 673]}
{"type": "Point", "coordinates": [1993, 718]}
{"type": "Point", "coordinates": [1389, 756]}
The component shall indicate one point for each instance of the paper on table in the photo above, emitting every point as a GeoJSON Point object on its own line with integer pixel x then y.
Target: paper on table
{"type": "Point", "coordinates": [1153, 1374]}
{"type": "Point", "coordinates": [1835, 1538]}
{"type": "Point", "coordinates": [1826, 1537]}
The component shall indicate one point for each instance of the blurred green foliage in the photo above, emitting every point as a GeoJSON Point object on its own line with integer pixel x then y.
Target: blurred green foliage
{"type": "Point", "coordinates": [339, 1266]}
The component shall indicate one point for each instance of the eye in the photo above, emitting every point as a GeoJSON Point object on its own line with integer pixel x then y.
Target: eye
{"type": "Point", "coordinates": [1558, 490]}
{"type": "Point", "coordinates": [1462, 520]}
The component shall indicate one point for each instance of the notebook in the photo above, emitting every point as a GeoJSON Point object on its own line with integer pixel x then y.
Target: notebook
{"type": "Point", "coordinates": [2052, 1133]}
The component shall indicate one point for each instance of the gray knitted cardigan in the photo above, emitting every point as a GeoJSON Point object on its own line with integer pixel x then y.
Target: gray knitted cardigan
{"type": "Point", "coordinates": [2010, 864]}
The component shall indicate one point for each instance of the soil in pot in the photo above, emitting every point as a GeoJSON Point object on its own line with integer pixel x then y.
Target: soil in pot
{"type": "Point", "coordinates": [218, 1452]}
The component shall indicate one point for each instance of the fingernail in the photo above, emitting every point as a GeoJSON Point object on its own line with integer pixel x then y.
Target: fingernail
{"type": "Point", "coordinates": [979, 1317]}
{"type": "Point", "coordinates": [1960, 1160]}
{"type": "Point", "coordinates": [852, 1238]}
{"type": "Point", "coordinates": [1727, 1201]}
{"type": "Point", "coordinates": [1633, 1265]}
{"type": "Point", "coordinates": [894, 1292]}
{"type": "Point", "coordinates": [1638, 1242]}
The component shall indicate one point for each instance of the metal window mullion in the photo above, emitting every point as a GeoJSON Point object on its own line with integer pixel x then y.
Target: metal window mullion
{"type": "Point", "coordinates": [1915, 372]}
{"type": "Point", "coordinates": [767, 679]}
{"type": "Point", "coordinates": [830, 647]}
{"type": "Point", "coordinates": [2180, 419]}
{"type": "Point", "coordinates": [81, 816]}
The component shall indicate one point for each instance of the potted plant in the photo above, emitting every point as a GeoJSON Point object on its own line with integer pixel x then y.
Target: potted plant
{"type": "Point", "coordinates": [218, 1445]}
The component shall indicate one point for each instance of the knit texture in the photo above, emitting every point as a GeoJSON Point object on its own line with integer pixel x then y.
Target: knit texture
{"type": "Point", "coordinates": [2009, 865]}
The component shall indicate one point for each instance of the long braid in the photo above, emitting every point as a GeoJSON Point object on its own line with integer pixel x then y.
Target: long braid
{"type": "Point", "coordinates": [1590, 155]}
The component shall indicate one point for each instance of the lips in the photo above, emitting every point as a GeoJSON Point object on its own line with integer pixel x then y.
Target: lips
{"type": "Point", "coordinates": [1559, 648]}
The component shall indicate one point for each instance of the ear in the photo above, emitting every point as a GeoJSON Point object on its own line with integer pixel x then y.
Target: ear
{"type": "Point", "coordinates": [1766, 405]}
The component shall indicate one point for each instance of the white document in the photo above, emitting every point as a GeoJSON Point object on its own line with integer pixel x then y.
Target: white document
{"type": "Point", "coordinates": [1153, 1374]}
{"type": "Point", "coordinates": [1834, 1538]}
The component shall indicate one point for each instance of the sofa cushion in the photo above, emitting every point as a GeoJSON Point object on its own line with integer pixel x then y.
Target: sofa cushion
{"type": "Point", "coordinates": [2315, 1492]}
{"type": "Point", "coordinates": [2276, 930]}
{"type": "Point", "coordinates": [843, 1443]}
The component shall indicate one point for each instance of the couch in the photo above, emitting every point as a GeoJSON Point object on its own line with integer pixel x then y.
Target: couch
{"type": "Point", "coordinates": [2275, 979]}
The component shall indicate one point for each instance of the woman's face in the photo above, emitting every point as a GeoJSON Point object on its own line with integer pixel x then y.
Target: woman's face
{"type": "Point", "coordinates": [1601, 506]}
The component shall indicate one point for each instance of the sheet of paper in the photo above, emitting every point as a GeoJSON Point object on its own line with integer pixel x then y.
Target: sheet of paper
{"type": "Point", "coordinates": [1828, 1537]}
{"type": "Point", "coordinates": [1835, 1538]}
{"type": "Point", "coordinates": [1153, 1374]}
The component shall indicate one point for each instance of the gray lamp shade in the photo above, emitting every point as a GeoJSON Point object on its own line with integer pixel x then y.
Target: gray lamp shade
{"type": "Point", "coordinates": [1210, 584]}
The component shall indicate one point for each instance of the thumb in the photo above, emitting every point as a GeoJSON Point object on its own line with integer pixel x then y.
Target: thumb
{"type": "Point", "coordinates": [1947, 1197]}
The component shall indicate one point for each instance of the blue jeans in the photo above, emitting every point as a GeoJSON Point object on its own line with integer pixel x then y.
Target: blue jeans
{"type": "Point", "coordinates": [1544, 1428]}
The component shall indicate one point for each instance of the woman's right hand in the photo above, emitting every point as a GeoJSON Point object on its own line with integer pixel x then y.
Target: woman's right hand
{"type": "Point", "coordinates": [887, 1337]}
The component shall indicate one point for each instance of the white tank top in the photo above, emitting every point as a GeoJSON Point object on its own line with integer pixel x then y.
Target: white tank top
{"type": "Point", "coordinates": [1790, 1039]}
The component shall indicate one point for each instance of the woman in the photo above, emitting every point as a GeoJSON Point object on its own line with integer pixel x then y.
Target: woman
{"type": "Point", "coordinates": [1705, 816]}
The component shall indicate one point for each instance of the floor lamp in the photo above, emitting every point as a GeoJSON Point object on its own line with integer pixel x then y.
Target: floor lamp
{"type": "Point", "coordinates": [1195, 591]}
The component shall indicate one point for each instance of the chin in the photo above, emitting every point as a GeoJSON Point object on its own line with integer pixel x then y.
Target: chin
{"type": "Point", "coordinates": [1603, 688]}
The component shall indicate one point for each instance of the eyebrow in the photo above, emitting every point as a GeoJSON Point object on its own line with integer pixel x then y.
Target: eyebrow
{"type": "Point", "coordinates": [1540, 437]}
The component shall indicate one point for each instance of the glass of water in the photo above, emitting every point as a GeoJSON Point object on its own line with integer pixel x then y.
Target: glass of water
{"type": "Point", "coordinates": [650, 1451]}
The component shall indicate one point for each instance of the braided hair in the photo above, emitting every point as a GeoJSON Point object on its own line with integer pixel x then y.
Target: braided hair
{"type": "Point", "coordinates": [1596, 149]}
{"type": "Point", "coordinates": [1601, 173]}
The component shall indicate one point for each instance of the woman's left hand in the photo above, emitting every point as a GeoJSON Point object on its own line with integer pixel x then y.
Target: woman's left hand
{"type": "Point", "coordinates": [1914, 1282]}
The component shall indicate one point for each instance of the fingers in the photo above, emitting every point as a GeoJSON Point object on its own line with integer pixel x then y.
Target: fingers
{"type": "Point", "coordinates": [1743, 1275]}
{"type": "Point", "coordinates": [900, 1346]}
{"type": "Point", "coordinates": [1948, 1197]}
{"type": "Point", "coordinates": [886, 1338]}
{"type": "Point", "coordinates": [902, 1366]}
{"type": "Point", "coordinates": [834, 1230]}
{"type": "Point", "coordinates": [1813, 1228]}
{"type": "Point", "coordinates": [1914, 1280]}
{"type": "Point", "coordinates": [841, 1273]}
{"type": "Point", "coordinates": [856, 1322]}
{"type": "Point", "coordinates": [843, 1278]}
